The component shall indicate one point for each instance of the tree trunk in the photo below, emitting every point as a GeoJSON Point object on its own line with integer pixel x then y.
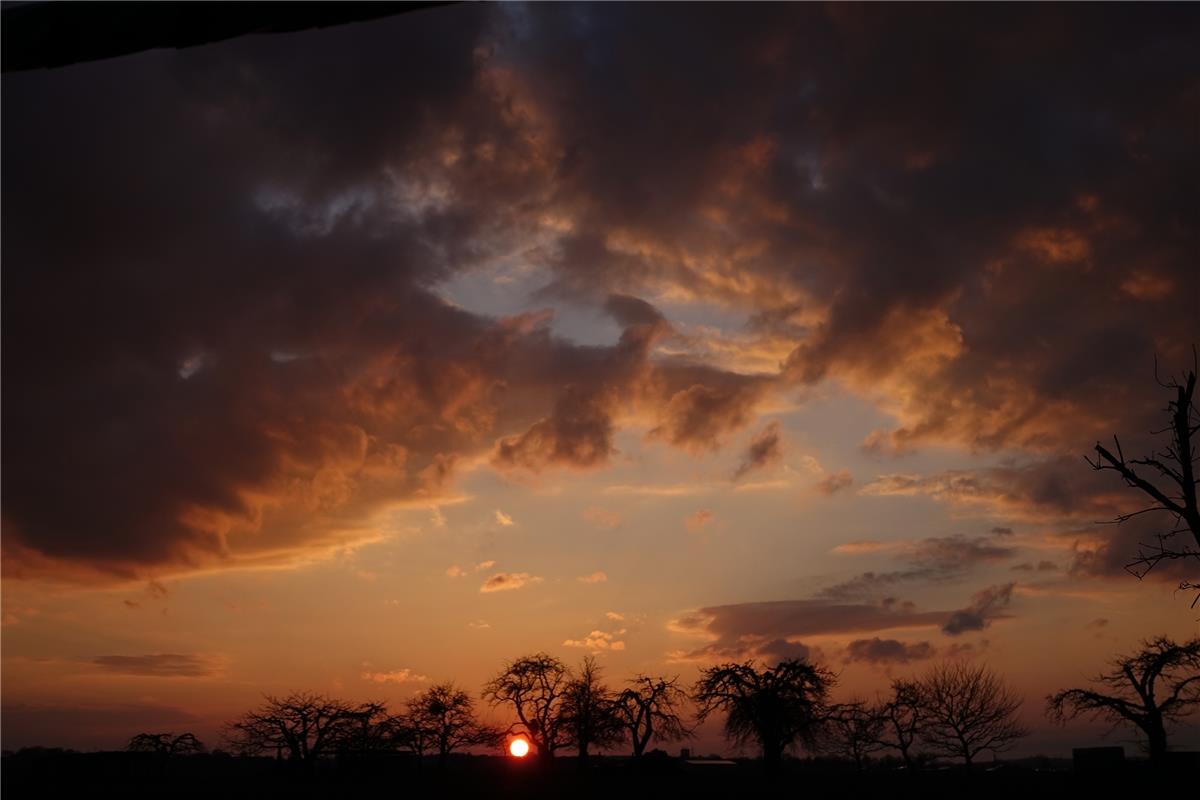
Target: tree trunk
{"type": "Point", "coordinates": [1157, 735]}
{"type": "Point", "coordinates": [772, 758]}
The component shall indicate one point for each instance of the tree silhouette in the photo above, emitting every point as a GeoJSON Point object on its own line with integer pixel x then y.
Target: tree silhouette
{"type": "Point", "coordinates": [589, 710]}
{"type": "Point", "coordinates": [1175, 467]}
{"type": "Point", "coordinates": [442, 718]}
{"type": "Point", "coordinates": [970, 711]}
{"type": "Point", "coordinates": [368, 728]}
{"type": "Point", "coordinates": [165, 744]}
{"type": "Point", "coordinates": [304, 725]}
{"type": "Point", "coordinates": [903, 718]}
{"type": "Point", "coordinates": [855, 731]}
{"type": "Point", "coordinates": [649, 710]}
{"type": "Point", "coordinates": [775, 707]}
{"type": "Point", "coordinates": [535, 686]}
{"type": "Point", "coordinates": [1149, 688]}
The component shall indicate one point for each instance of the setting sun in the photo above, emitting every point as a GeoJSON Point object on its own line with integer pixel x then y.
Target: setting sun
{"type": "Point", "coordinates": [518, 748]}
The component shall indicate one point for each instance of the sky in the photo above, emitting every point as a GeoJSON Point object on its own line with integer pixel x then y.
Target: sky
{"type": "Point", "coordinates": [362, 358]}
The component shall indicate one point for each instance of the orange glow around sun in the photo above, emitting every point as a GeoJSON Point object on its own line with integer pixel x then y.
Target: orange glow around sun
{"type": "Point", "coordinates": [518, 748]}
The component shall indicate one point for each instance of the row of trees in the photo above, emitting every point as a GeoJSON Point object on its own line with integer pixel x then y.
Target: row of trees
{"type": "Point", "coordinates": [955, 710]}
{"type": "Point", "coordinates": [303, 727]}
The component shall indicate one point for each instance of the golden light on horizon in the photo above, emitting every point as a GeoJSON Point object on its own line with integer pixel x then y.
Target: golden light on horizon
{"type": "Point", "coordinates": [518, 748]}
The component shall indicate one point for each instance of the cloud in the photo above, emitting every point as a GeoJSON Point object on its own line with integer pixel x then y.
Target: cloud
{"type": "Point", "coordinates": [765, 449]}
{"type": "Point", "coordinates": [596, 577]}
{"type": "Point", "coordinates": [613, 615]}
{"type": "Point", "coordinates": [697, 417]}
{"type": "Point", "coordinates": [158, 665]}
{"type": "Point", "coordinates": [698, 519]}
{"type": "Point", "coordinates": [578, 434]}
{"type": "Point", "coordinates": [482, 565]}
{"type": "Point", "coordinates": [1060, 496]}
{"type": "Point", "coordinates": [930, 560]}
{"type": "Point", "coordinates": [986, 605]}
{"type": "Point", "coordinates": [777, 650]}
{"type": "Point", "coordinates": [1035, 492]}
{"type": "Point", "coordinates": [503, 520]}
{"type": "Point", "coordinates": [505, 581]}
{"type": "Point", "coordinates": [887, 651]}
{"type": "Point", "coordinates": [394, 676]}
{"type": "Point", "coordinates": [745, 630]}
{"type": "Point", "coordinates": [835, 482]}
{"type": "Point", "coordinates": [597, 640]}
{"type": "Point", "coordinates": [1041, 566]}
{"type": "Point", "coordinates": [261, 327]}
{"type": "Point", "coordinates": [652, 490]}
{"type": "Point", "coordinates": [864, 546]}
{"type": "Point", "coordinates": [455, 571]}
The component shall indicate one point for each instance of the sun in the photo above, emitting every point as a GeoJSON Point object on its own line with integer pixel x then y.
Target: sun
{"type": "Point", "coordinates": [518, 748]}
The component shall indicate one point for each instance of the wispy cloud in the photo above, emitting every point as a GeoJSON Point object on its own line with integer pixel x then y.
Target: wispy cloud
{"type": "Point", "coordinates": [158, 665]}
{"type": "Point", "coordinates": [598, 640]}
{"type": "Point", "coordinates": [394, 676]}
{"type": "Point", "coordinates": [506, 581]}
{"type": "Point", "coordinates": [766, 448]}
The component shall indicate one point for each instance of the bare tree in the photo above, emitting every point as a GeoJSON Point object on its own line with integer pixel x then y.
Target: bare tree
{"type": "Point", "coordinates": [855, 731]}
{"type": "Point", "coordinates": [165, 744]}
{"type": "Point", "coordinates": [306, 726]}
{"type": "Point", "coordinates": [1175, 467]}
{"type": "Point", "coordinates": [589, 710]}
{"type": "Point", "coordinates": [368, 728]}
{"type": "Point", "coordinates": [649, 710]}
{"type": "Point", "coordinates": [775, 707]}
{"type": "Point", "coordinates": [535, 686]}
{"type": "Point", "coordinates": [443, 718]}
{"type": "Point", "coordinates": [1148, 689]}
{"type": "Point", "coordinates": [904, 718]}
{"type": "Point", "coordinates": [970, 711]}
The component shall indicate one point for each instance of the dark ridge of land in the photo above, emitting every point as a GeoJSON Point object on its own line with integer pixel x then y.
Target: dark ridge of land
{"type": "Point", "coordinates": [54, 773]}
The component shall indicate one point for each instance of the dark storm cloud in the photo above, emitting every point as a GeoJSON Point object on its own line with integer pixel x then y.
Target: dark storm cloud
{"type": "Point", "coordinates": [222, 337]}
{"type": "Point", "coordinates": [218, 299]}
{"type": "Point", "coordinates": [872, 164]}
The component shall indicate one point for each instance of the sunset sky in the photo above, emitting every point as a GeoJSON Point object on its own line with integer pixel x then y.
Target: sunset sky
{"type": "Point", "coordinates": [360, 358]}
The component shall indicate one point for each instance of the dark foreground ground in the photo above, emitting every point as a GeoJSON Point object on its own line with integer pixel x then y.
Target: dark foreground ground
{"type": "Point", "coordinates": [127, 775]}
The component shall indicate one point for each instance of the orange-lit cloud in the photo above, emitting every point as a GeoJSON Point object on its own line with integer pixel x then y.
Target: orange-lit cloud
{"type": "Point", "coordinates": [394, 676]}
{"type": "Point", "coordinates": [507, 581]}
